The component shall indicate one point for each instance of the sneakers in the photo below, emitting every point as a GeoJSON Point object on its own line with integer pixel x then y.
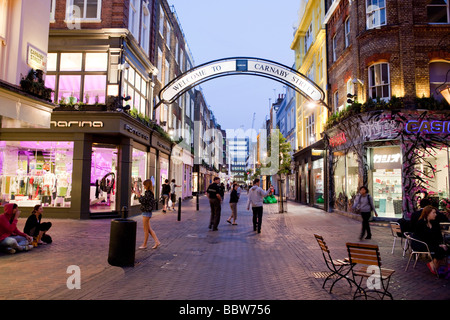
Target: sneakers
{"type": "Point", "coordinates": [10, 251]}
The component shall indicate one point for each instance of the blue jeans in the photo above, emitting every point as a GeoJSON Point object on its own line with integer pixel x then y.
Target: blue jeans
{"type": "Point", "coordinates": [14, 242]}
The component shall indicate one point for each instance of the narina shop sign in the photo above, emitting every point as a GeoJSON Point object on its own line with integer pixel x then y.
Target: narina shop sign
{"type": "Point", "coordinates": [427, 126]}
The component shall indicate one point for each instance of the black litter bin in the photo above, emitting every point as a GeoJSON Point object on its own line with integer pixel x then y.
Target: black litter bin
{"type": "Point", "coordinates": [122, 244]}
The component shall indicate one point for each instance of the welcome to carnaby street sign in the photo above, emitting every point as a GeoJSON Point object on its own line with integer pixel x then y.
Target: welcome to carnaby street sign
{"type": "Point", "coordinates": [242, 65]}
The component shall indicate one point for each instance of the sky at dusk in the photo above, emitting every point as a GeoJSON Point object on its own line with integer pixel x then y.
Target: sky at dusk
{"type": "Point", "coordinates": [244, 28]}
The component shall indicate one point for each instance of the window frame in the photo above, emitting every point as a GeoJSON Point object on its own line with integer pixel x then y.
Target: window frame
{"type": "Point", "coordinates": [371, 13]}
{"type": "Point", "coordinates": [98, 18]}
{"type": "Point", "coordinates": [371, 86]}
{"type": "Point", "coordinates": [447, 5]}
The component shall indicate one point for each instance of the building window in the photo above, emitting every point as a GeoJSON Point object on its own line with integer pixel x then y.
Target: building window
{"type": "Point", "coordinates": [160, 58]}
{"type": "Point", "coordinates": [133, 23]}
{"type": "Point", "coordinates": [145, 32]}
{"type": "Point", "coordinates": [310, 129]}
{"type": "Point", "coordinates": [161, 22]}
{"type": "Point", "coordinates": [83, 10]}
{"type": "Point", "coordinates": [52, 11]}
{"type": "Point", "coordinates": [347, 32]}
{"type": "Point", "coordinates": [334, 44]}
{"type": "Point", "coordinates": [166, 73]}
{"type": "Point", "coordinates": [438, 11]}
{"type": "Point", "coordinates": [36, 172]}
{"type": "Point", "coordinates": [350, 89]}
{"type": "Point", "coordinates": [168, 31]}
{"type": "Point", "coordinates": [78, 77]}
{"type": "Point", "coordinates": [375, 13]}
{"type": "Point", "coordinates": [379, 84]}
{"type": "Point", "coordinates": [135, 86]}
{"type": "Point", "coordinates": [308, 38]}
{"type": "Point", "coordinates": [439, 75]}
{"type": "Point", "coordinates": [336, 101]}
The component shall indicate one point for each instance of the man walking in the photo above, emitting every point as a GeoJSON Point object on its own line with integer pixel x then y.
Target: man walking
{"type": "Point", "coordinates": [255, 198]}
{"type": "Point", "coordinates": [215, 196]}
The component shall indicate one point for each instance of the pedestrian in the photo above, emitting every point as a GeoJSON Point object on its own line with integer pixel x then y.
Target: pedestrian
{"type": "Point", "coordinates": [234, 198]}
{"type": "Point", "coordinates": [215, 196]}
{"type": "Point", "coordinates": [11, 239]}
{"type": "Point", "coordinates": [165, 192]}
{"type": "Point", "coordinates": [255, 199]}
{"type": "Point", "coordinates": [364, 205]}
{"type": "Point", "coordinates": [173, 194]}
{"type": "Point", "coordinates": [37, 229]}
{"type": "Point", "coordinates": [148, 203]}
{"type": "Point", "coordinates": [428, 230]}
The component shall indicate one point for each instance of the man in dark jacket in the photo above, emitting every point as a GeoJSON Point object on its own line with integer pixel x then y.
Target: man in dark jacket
{"type": "Point", "coordinates": [215, 195]}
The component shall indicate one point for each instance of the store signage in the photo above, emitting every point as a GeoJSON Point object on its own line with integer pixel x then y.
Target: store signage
{"type": "Point", "coordinates": [379, 129]}
{"type": "Point", "coordinates": [233, 66]}
{"type": "Point", "coordinates": [386, 158]}
{"type": "Point", "coordinates": [36, 59]}
{"type": "Point", "coordinates": [427, 126]}
{"type": "Point", "coordinates": [159, 144]}
{"type": "Point", "coordinates": [136, 132]}
{"type": "Point", "coordinates": [80, 124]}
{"type": "Point", "coordinates": [338, 140]}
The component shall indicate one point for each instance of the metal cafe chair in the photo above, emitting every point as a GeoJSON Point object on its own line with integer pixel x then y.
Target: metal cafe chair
{"type": "Point", "coordinates": [397, 233]}
{"type": "Point", "coordinates": [424, 249]}
{"type": "Point", "coordinates": [367, 258]}
{"type": "Point", "coordinates": [337, 267]}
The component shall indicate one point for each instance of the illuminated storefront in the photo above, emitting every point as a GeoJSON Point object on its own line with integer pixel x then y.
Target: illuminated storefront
{"type": "Point", "coordinates": [84, 166]}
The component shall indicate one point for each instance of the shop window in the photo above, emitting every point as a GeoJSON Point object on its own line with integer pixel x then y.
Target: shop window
{"type": "Point", "coordinates": [385, 180]}
{"type": "Point", "coordinates": [318, 178]}
{"type": "Point", "coordinates": [375, 13]}
{"type": "Point", "coordinates": [379, 84]}
{"type": "Point", "coordinates": [63, 78]}
{"type": "Point", "coordinates": [339, 181]}
{"type": "Point", "coordinates": [438, 11]}
{"type": "Point", "coordinates": [103, 178]}
{"type": "Point", "coordinates": [138, 173]}
{"type": "Point", "coordinates": [352, 169]}
{"type": "Point", "coordinates": [163, 171]}
{"type": "Point", "coordinates": [434, 171]}
{"type": "Point", "coordinates": [36, 172]}
{"type": "Point", "coordinates": [69, 89]}
{"type": "Point", "coordinates": [439, 75]}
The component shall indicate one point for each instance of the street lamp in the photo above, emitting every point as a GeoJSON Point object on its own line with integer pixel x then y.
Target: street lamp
{"type": "Point", "coordinates": [446, 92]}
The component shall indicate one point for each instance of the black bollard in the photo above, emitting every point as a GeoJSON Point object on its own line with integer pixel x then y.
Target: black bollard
{"type": "Point", "coordinates": [179, 209]}
{"type": "Point", "coordinates": [197, 202]}
{"type": "Point", "coordinates": [122, 245]}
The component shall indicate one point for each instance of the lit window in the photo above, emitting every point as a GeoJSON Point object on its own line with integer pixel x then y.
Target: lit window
{"type": "Point", "coordinates": [439, 75]}
{"type": "Point", "coordinates": [97, 61]}
{"type": "Point", "coordinates": [379, 84]}
{"type": "Point", "coordinates": [71, 61]}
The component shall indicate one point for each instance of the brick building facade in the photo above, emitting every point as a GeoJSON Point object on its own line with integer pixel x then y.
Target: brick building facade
{"type": "Point", "coordinates": [403, 37]}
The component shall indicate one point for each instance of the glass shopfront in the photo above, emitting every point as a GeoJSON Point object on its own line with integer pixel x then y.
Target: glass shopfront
{"type": "Point", "coordinates": [103, 178]}
{"type": "Point", "coordinates": [318, 178]}
{"type": "Point", "coordinates": [138, 173]}
{"type": "Point", "coordinates": [385, 180]}
{"type": "Point", "coordinates": [163, 170]}
{"type": "Point", "coordinates": [36, 172]}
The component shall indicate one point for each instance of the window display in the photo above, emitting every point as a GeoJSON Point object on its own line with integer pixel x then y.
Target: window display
{"type": "Point", "coordinates": [36, 172]}
{"type": "Point", "coordinates": [138, 173]}
{"type": "Point", "coordinates": [339, 181]}
{"type": "Point", "coordinates": [164, 170]}
{"type": "Point", "coordinates": [318, 181]}
{"type": "Point", "coordinates": [386, 180]}
{"type": "Point", "coordinates": [103, 178]}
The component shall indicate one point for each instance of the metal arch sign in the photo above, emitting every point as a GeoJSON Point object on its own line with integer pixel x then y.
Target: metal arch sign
{"type": "Point", "coordinates": [242, 65]}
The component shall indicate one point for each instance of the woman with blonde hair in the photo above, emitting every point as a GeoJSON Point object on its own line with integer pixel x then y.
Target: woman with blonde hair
{"type": "Point", "coordinates": [148, 203]}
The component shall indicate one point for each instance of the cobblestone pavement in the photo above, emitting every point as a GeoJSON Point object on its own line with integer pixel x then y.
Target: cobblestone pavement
{"type": "Point", "coordinates": [283, 262]}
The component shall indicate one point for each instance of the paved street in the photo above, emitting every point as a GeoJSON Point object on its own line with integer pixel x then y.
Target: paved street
{"type": "Point", "coordinates": [195, 263]}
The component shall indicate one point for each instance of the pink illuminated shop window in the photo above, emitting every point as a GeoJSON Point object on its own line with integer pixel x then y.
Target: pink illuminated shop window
{"type": "Point", "coordinates": [50, 82]}
{"type": "Point", "coordinates": [69, 86]}
{"type": "Point", "coordinates": [94, 89]}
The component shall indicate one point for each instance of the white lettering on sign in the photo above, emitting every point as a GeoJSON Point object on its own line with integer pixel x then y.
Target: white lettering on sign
{"type": "Point", "coordinates": [386, 158]}
{"type": "Point", "coordinates": [251, 66]}
{"type": "Point", "coordinates": [80, 124]}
